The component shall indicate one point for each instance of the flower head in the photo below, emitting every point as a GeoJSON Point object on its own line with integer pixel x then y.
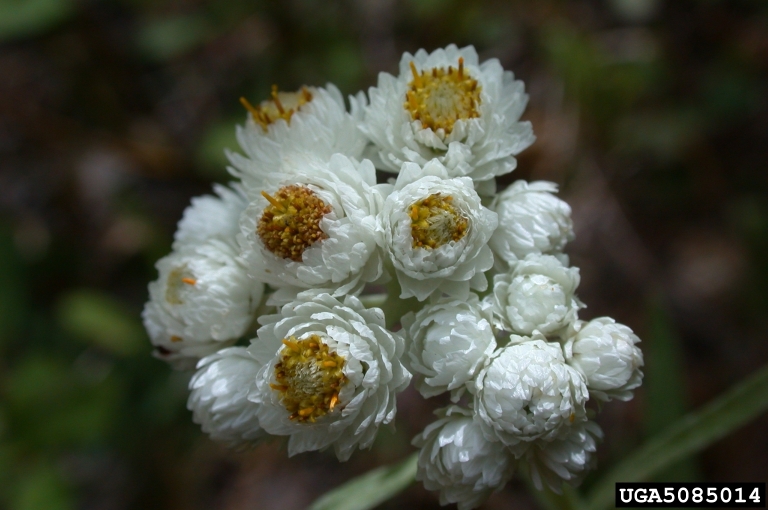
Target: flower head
{"type": "Point", "coordinates": [538, 294]}
{"type": "Point", "coordinates": [568, 458]}
{"type": "Point", "coordinates": [449, 341]}
{"type": "Point", "coordinates": [446, 104]}
{"type": "Point", "coordinates": [531, 220]}
{"type": "Point", "coordinates": [311, 121]}
{"type": "Point", "coordinates": [435, 232]}
{"type": "Point", "coordinates": [202, 301]}
{"type": "Point", "coordinates": [219, 397]}
{"type": "Point", "coordinates": [457, 460]}
{"type": "Point", "coordinates": [329, 374]}
{"type": "Point", "coordinates": [527, 392]}
{"type": "Point", "coordinates": [313, 227]}
{"type": "Point", "coordinates": [606, 352]}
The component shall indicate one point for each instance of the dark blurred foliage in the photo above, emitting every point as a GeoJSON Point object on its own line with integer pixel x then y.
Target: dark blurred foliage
{"type": "Point", "coordinates": [651, 115]}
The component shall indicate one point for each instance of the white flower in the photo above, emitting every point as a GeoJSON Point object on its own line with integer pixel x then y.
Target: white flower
{"type": "Point", "coordinates": [446, 105]}
{"type": "Point", "coordinates": [218, 398]}
{"type": "Point", "coordinates": [458, 461]}
{"type": "Point", "coordinates": [538, 294]}
{"type": "Point", "coordinates": [211, 217]}
{"type": "Point", "coordinates": [527, 392]}
{"type": "Point", "coordinates": [531, 220]}
{"type": "Point", "coordinates": [449, 341]}
{"type": "Point", "coordinates": [568, 458]}
{"type": "Point", "coordinates": [314, 227]}
{"type": "Point", "coordinates": [330, 373]}
{"type": "Point", "coordinates": [202, 301]}
{"type": "Point", "coordinates": [435, 231]}
{"type": "Point", "coordinates": [313, 120]}
{"type": "Point", "coordinates": [607, 354]}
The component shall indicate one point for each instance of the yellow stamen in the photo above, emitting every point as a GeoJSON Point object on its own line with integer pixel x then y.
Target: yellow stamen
{"type": "Point", "coordinates": [291, 222]}
{"type": "Point", "coordinates": [308, 377]}
{"type": "Point", "coordinates": [275, 203]}
{"type": "Point", "coordinates": [280, 105]}
{"type": "Point", "coordinates": [189, 281]}
{"type": "Point", "coordinates": [435, 221]}
{"type": "Point", "coordinates": [438, 97]}
{"type": "Point", "coordinates": [176, 339]}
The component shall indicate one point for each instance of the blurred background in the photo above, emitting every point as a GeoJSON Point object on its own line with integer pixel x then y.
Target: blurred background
{"type": "Point", "coordinates": [652, 117]}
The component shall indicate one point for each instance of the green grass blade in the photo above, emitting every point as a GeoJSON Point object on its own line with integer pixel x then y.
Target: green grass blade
{"type": "Point", "coordinates": [368, 490]}
{"type": "Point", "coordinates": [691, 434]}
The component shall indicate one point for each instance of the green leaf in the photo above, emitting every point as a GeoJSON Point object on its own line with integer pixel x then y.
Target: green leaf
{"type": "Point", "coordinates": [370, 489]}
{"type": "Point", "coordinates": [666, 400]}
{"type": "Point", "coordinates": [691, 434]}
{"type": "Point", "coordinates": [98, 319]}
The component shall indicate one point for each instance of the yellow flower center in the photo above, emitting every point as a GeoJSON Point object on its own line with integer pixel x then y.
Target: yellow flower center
{"type": "Point", "coordinates": [435, 222]}
{"type": "Point", "coordinates": [309, 376]}
{"type": "Point", "coordinates": [178, 279]}
{"type": "Point", "coordinates": [438, 98]}
{"type": "Point", "coordinates": [291, 222]}
{"type": "Point", "coordinates": [281, 105]}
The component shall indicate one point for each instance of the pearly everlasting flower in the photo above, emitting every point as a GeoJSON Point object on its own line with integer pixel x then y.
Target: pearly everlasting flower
{"type": "Point", "coordinates": [435, 231]}
{"type": "Point", "coordinates": [218, 397]}
{"type": "Point", "coordinates": [537, 295]}
{"type": "Point", "coordinates": [312, 121]}
{"type": "Point", "coordinates": [447, 105]}
{"type": "Point", "coordinates": [527, 392]}
{"type": "Point", "coordinates": [202, 301]}
{"type": "Point", "coordinates": [568, 458]}
{"type": "Point", "coordinates": [531, 220]}
{"type": "Point", "coordinates": [456, 459]}
{"type": "Point", "coordinates": [606, 352]}
{"type": "Point", "coordinates": [329, 374]}
{"type": "Point", "coordinates": [313, 226]}
{"type": "Point", "coordinates": [212, 217]}
{"type": "Point", "coordinates": [449, 341]}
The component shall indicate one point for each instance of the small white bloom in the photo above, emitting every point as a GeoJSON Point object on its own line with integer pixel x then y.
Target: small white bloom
{"type": "Point", "coordinates": [436, 231]}
{"type": "Point", "coordinates": [568, 458]}
{"type": "Point", "coordinates": [457, 460]}
{"type": "Point", "coordinates": [531, 220]}
{"type": "Point", "coordinates": [538, 294]}
{"type": "Point", "coordinates": [446, 104]}
{"type": "Point", "coordinates": [449, 342]}
{"type": "Point", "coordinates": [606, 353]}
{"type": "Point", "coordinates": [202, 301]}
{"type": "Point", "coordinates": [211, 217]}
{"type": "Point", "coordinates": [527, 392]}
{"type": "Point", "coordinates": [218, 397]}
{"type": "Point", "coordinates": [330, 374]}
{"type": "Point", "coordinates": [313, 226]}
{"type": "Point", "coordinates": [313, 120]}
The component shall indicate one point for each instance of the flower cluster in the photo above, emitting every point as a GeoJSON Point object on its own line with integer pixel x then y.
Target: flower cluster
{"type": "Point", "coordinates": [286, 257]}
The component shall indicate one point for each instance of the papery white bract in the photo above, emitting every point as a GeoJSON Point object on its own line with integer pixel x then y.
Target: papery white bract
{"type": "Point", "coordinates": [606, 352]}
{"type": "Point", "coordinates": [527, 392]}
{"type": "Point", "coordinates": [449, 341]}
{"type": "Point", "coordinates": [457, 226]}
{"type": "Point", "coordinates": [531, 220]}
{"type": "Point", "coordinates": [446, 104]}
{"type": "Point", "coordinates": [324, 235]}
{"type": "Point", "coordinates": [356, 343]}
{"type": "Point", "coordinates": [536, 295]}
{"type": "Point", "coordinates": [218, 397]}
{"type": "Point", "coordinates": [568, 458]}
{"type": "Point", "coordinates": [202, 301]}
{"type": "Point", "coordinates": [457, 460]}
{"type": "Point", "coordinates": [319, 127]}
{"type": "Point", "coordinates": [212, 217]}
